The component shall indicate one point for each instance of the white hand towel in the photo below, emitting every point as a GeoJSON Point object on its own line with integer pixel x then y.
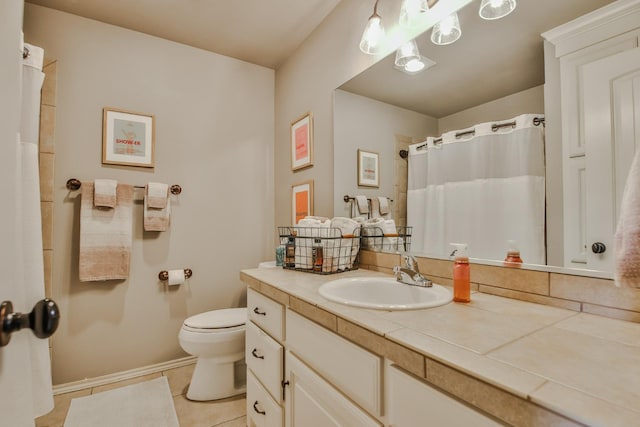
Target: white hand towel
{"type": "Point", "coordinates": [157, 195]}
{"type": "Point", "coordinates": [363, 204]}
{"type": "Point", "coordinates": [104, 193]}
{"type": "Point", "coordinates": [383, 207]}
{"type": "Point", "coordinates": [627, 238]}
{"type": "Point", "coordinates": [156, 219]}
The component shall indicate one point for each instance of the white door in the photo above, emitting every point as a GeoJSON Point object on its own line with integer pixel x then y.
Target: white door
{"type": "Point", "coordinates": [612, 134]}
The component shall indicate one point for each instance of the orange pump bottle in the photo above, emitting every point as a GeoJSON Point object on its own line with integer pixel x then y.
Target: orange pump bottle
{"type": "Point", "coordinates": [461, 274]}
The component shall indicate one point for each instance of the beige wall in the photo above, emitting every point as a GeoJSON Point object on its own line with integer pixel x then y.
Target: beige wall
{"type": "Point", "coordinates": [524, 102]}
{"type": "Point", "coordinates": [215, 134]}
{"type": "Point", "coordinates": [364, 123]}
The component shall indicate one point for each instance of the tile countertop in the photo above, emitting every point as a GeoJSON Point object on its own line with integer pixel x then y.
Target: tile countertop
{"type": "Point", "coordinates": [582, 366]}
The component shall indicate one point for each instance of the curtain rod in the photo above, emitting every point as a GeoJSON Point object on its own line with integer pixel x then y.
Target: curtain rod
{"type": "Point", "coordinates": [537, 121]}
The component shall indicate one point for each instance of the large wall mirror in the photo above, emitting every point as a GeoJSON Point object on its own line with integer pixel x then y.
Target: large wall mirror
{"type": "Point", "coordinates": [494, 72]}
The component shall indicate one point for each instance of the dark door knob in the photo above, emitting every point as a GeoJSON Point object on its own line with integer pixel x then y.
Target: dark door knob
{"type": "Point", "coordinates": [598, 248]}
{"type": "Point", "coordinates": [43, 320]}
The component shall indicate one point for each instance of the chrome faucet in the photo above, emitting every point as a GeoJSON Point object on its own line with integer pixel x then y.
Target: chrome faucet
{"type": "Point", "coordinates": [410, 274]}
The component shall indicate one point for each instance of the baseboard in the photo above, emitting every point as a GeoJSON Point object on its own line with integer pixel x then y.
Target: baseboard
{"type": "Point", "coordinates": [121, 376]}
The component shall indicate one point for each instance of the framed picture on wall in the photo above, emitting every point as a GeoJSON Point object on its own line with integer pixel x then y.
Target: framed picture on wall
{"type": "Point", "coordinates": [368, 169]}
{"type": "Point", "coordinates": [301, 201]}
{"type": "Point", "coordinates": [302, 142]}
{"type": "Point", "coordinates": [128, 138]}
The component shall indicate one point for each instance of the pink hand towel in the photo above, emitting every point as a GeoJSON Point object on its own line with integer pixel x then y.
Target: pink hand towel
{"type": "Point", "coordinates": [627, 239]}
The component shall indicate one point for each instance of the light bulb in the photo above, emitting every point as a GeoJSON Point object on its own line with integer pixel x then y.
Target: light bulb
{"type": "Point", "coordinates": [407, 52]}
{"type": "Point", "coordinates": [414, 66]}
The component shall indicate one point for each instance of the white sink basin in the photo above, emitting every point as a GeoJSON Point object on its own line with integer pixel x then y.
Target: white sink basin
{"type": "Point", "coordinates": [384, 293]}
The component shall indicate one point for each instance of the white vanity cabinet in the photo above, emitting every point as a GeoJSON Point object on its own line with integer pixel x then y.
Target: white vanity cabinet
{"type": "Point", "coordinates": [592, 74]}
{"type": "Point", "coordinates": [411, 402]}
{"type": "Point", "coordinates": [301, 374]}
{"type": "Point", "coordinates": [344, 366]}
{"type": "Point", "coordinates": [264, 356]}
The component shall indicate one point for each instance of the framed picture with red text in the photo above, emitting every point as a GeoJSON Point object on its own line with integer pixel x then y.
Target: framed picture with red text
{"type": "Point", "coordinates": [302, 142]}
{"type": "Point", "coordinates": [128, 138]}
{"type": "Point", "coordinates": [301, 201]}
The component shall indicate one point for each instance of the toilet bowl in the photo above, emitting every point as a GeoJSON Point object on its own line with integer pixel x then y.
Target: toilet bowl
{"type": "Point", "coordinates": [217, 339]}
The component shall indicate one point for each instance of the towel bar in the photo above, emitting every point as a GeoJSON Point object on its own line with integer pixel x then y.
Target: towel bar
{"type": "Point", "coordinates": [74, 184]}
{"type": "Point", "coordinates": [164, 274]}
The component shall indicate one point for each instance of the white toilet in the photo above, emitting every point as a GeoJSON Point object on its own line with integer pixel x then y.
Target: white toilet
{"type": "Point", "coordinates": [217, 339]}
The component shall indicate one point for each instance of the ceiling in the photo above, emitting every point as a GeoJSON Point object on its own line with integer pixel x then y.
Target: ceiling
{"type": "Point", "coordinates": [262, 32]}
{"type": "Point", "coordinates": [492, 59]}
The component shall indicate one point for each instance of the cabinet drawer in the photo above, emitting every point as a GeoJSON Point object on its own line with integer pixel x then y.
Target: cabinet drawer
{"type": "Point", "coordinates": [352, 369]}
{"type": "Point", "coordinates": [266, 313]}
{"type": "Point", "coordinates": [262, 410]}
{"type": "Point", "coordinates": [264, 358]}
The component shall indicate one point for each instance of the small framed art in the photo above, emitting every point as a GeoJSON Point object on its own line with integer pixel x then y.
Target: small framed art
{"type": "Point", "coordinates": [302, 142]}
{"type": "Point", "coordinates": [368, 169]}
{"type": "Point", "coordinates": [128, 138]}
{"type": "Point", "coordinates": [301, 201]}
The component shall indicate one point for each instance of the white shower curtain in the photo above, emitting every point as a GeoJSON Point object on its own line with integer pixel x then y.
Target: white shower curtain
{"type": "Point", "coordinates": [483, 189]}
{"type": "Point", "coordinates": [31, 238]}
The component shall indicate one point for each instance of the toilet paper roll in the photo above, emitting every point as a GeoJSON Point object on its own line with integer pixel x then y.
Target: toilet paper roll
{"type": "Point", "coordinates": [176, 277]}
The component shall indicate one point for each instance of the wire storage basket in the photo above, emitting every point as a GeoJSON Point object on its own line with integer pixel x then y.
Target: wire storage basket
{"type": "Point", "coordinates": [320, 250]}
{"type": "Point", "coordinates": [374, 239]}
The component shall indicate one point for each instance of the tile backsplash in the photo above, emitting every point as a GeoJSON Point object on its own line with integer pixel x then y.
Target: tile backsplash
{"type": "Point", "coordinates": [578, 293]}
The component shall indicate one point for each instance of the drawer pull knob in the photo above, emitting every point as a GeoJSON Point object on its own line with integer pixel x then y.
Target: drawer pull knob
{"type": "Point", "coordinates": [255, 408]}
{"type": "Point", "coordinates": [255, 354]}
{"type": "Point", "coordinates": [257, 311]}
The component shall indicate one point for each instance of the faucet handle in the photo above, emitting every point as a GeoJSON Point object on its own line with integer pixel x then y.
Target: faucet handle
{"type": "Point", "coordinates": [411, 262]}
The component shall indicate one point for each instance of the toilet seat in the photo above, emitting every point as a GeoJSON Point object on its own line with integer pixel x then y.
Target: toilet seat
{"type": "Point", "coordinates": [210, 321]}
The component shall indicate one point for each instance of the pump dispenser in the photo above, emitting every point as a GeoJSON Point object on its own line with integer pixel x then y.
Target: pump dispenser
{"type": "Point", "coordinates": [513, 255]}
{"type": "Point", "coordinates": [461, 274]}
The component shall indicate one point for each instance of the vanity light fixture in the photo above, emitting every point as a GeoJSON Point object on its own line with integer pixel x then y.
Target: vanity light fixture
{"type": "Point", "coordinates": [496, 9]}
{"type": "Point", "coordinates": [446, 31]}
{"type": "Point", "coordinates": [411, 11]}
{"type": "Point", "coordinates": [373, 33]}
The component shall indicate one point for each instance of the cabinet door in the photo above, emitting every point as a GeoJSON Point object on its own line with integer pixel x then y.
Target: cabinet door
{"type": "Point", "coordinates": [411, 402]}
{"type": "Point", "coordinates": [312, 402]}
{"type": "Point", "coordinates": [612, 136]}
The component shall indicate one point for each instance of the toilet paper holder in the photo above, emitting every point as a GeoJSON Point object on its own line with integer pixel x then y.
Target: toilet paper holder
{"type": "Point", "coordinates": [164, 274]}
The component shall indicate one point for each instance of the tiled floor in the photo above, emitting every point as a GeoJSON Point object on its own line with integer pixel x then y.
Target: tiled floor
{"type": "Point", "coordinates": [220, 413]}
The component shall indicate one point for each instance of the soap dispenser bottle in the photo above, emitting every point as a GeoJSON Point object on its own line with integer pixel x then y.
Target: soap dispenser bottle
{"type": "Point", "coordinates": [513, 255]}
{"type": "Point", "coordinates": [461, 274]}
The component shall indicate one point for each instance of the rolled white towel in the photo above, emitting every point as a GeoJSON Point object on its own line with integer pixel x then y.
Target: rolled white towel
{"type": "Point", "coordinates": [347, 250]}
{"type": "Point", "coordinates": [307, 229]}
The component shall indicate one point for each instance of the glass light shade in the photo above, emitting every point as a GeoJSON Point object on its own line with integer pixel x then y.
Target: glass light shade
{"type": "Point", "coordinates": [411, 11]}
{"type": "Point", "coordinates": [446, 31]}
{"type": "Point", "coordinates": [372, 36]}
{"type": "Point", "coordinates": [406, 53]}
{"type": "Point", "coordinates": [496, 9]}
